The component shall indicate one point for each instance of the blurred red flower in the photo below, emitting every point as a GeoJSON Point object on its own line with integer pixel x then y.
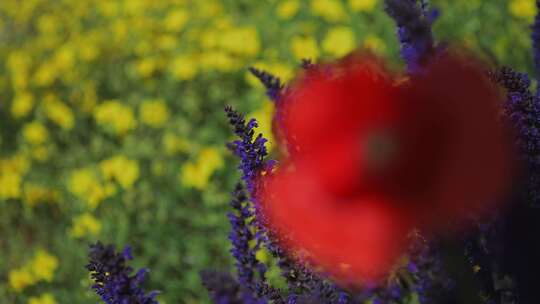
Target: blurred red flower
{"type": "Point", "coordinates": [371, 155]}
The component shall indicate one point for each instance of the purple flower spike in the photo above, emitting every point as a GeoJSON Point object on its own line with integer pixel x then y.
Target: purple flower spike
{"type": "Point", "coordinates": [114, 281]}
{"type": "Point", "coordinates": [414, 22]}
{"type": "Point", "coordinates": [272, 83]}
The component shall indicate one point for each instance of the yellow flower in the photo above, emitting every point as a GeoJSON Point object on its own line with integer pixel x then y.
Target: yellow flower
{"type": "Point", "coordinates": [174, 144]}
{"type": "Point", "coordinates": [64, 58]}
{"type": "Point", "coordinates": [43, 265]}
{"type": "Point", "coordinates": [17, 163]}
{"type": "Point", "coordinates": [154, 112]}
{"type": "Point", "coordinates": [85, 224]}
{"type": "Point", "coordinates": [197, 174]}
{"type": "Point", "coordinates": [208, 8]}
{"type": "Point", "coordinates": [240, 41]}
{"type": "Point", "coordinates": [264, 119]}
{"type": "Point", "coordinates": [123, 170]}
{"type": "Point", "coordinates": [339, 41]}
{"type": "Point", "coordinates": [19, 63]}
{"type": "Point", "coordinates": [218, 60]}
{"type": "Point", "coordinates": [19, 279]}
{"type": "Point", "coordinates": [84, 183]}
{"type": "Point", "coordinates": [58, 112]}
{"type": "Point", "coordinates": [183, 67]}
{"type": "Point", "coordinates": [374, 43]}
{"type": "Point", "coordinates": [288, 8]}
{"type": "Point", "coordinates": [304, 48]}
{"type": "Point", "coordinates": [34, 194]}
{"type": "Point", "coordinates": [330, 10]}
{"type": "Point", "coordinates": [146, 67]}
{"type": "Point", "coordinates": [522, 8]}
{"type": "Point", "coordinates": [175, 20]}
{"type": "Point", "coordinates": [48, 24]}
{"type": "Point", "coordinates": [11, 185]}
{"type": "Point", "coordinates": [45, 298]}
{"type": "Point", "coordinates": [362, 5]}
{"type": "Point", "coordinates": [22, 105]}
{"type": "Point", "coordinates": [166, 42]}
{"type": "Point", "coordinates": [46, 74]}
{"type": "Point", "coordinates": [35, 133]}
{"type": "Point", "coordinates": [116, 116]}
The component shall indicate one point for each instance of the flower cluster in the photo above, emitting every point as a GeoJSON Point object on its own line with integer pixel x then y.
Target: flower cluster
{"type": "Point", "coordinates": [40, 268]}
{"type": "Point", "coordinates": [114, 281]}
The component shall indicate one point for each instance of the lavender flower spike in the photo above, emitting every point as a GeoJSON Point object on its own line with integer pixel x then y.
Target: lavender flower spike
{"type": "Point", "coordinates": [414, 22]}
{"type": "Point", "coordinates": [250, 149]}
{"type": "Point", "coordinates": [114, 282]}
{"type": "Point", "coordinates": [241, 236]}
{"type": "Point", "coordinates": [272, 83]}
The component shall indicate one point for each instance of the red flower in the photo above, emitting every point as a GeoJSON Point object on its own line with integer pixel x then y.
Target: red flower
{"type": "Point", "coordinates": [369, 158]}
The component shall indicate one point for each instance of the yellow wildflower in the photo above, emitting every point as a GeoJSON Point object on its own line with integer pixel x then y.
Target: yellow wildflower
{"type": "Point", "coordinates": [208, 38]}
{"type": "Point", "coordinates": [46, 74]}
{"type": "Point", "coordinates": [45, 298]}
{"type": "Point", "coordinates": [339, 41]}
{"type": "Point", "coordinates": [116, 116]}
{"type": "Point", "coordinates": [48, 24]}
{"type": "Point", "coordinates": [288, 8]}
{"type": "Point", "coordinates": [123, 170]}
{"type": "Point", "coordinates": [19, 63]}
{"type": "Point", "coordinates": [174, 144]}
{"type": "Point", "coordinates": [197, 174]}
{"type": "Point", "coordinates": [16, 163]}
{"type": "Point", "coordinates": [166, 42]}
{"type": "Point", "coordinates": [175, 20]}
{"type": "Point", "coordinates": [146, 66]}
{"type": "Point", "coordinates": [64, 58]}
{"type": "Point", "coordinates": [304, 47]}
{"type": "Point", "coordinates": [85, 224]}
{"type": "Point", "coordinates": [330, 10]}
{"type": "Point", "coordinates": [58, 112]}
{"type": "Point", "coordinates": [218, 60]}
{"type": "Point", "coordinates": [22, 105]}
{"type": "Point", "coordinates": [362, 5]}
{"type": "Point", "coordinates": [183, 67]}
{"type": "Point", "coordinates": [374, 43]}
{"type": "Point", "coordinates": [154, 112]}
{"type": "Point", "coordinates": [43, 265]}
{"type": "Point", "coordinates": [240, 41]}
{"type": "Point", "coordinates": [264, 119]}
{"type": "Point", "coordinates": [88, 51]}
{"type": "Point", "coordinates": [35, 133]}
{"type": "Point", "coordinates": [34, 194]}
{"type": "Point", "coordinates": [525, 9]}
{"type": "Point", "coordinates": [84, 183]}
{"type": "Point", "coordinates": [10, 185]}
{"type": "Point", "coordinates": [19, 279]}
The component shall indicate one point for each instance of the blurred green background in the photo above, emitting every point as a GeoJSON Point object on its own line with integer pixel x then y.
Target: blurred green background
{"type": "Point", "coordinates": [112, 125]}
